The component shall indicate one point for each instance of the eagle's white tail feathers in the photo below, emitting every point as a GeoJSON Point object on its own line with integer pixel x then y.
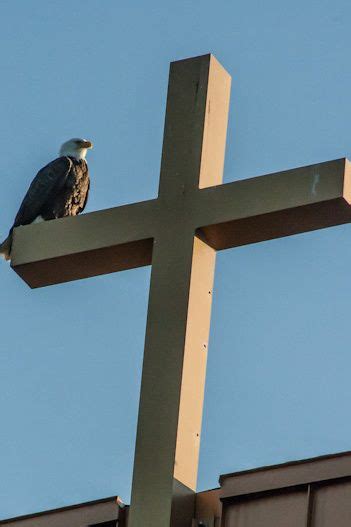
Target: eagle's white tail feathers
{"type": "Point", "coordinates": [5, 248]}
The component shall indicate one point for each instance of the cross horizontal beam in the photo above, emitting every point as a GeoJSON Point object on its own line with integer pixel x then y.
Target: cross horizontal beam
{"type": "Point", "coordinates": [281, 204]}
{"type": "Point", "coordinates": [92, 244]}
{"type": "Point", "coordinates": [224, 216]}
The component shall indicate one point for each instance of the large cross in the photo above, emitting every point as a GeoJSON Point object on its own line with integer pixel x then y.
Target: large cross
{"type": "Point", "coordinates": [178, 233]}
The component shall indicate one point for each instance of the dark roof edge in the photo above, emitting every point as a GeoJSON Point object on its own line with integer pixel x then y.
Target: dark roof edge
{"type": "Point", "coordinates": [59, 509]}
{"type": "Point", "coordinates": [282, 465]}
{"type": "Point", "coordinates": [207, 490]}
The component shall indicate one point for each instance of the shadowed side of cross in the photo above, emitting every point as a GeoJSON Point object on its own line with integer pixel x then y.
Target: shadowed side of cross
{"type": "Point", "coordinates": [179, 233]}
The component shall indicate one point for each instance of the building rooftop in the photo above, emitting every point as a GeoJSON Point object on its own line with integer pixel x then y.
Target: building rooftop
{"type": "Point", "coordinates": [313, 492]}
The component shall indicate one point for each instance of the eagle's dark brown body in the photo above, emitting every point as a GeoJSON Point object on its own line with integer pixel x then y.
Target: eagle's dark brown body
{"type": "Point", "coordinates": [59, 189]}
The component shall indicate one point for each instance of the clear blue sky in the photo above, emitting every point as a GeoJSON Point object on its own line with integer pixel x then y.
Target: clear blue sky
{"type": "Point", "coordinates": [278, 384]}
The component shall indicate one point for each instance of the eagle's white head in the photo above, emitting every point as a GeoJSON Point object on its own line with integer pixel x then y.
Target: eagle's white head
{"type": "Point", "coordinates": [76, 148]}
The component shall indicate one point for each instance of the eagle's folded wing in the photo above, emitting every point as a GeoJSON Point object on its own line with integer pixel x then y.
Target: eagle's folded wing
{"type": "Point", "coordinates": [48, 180]}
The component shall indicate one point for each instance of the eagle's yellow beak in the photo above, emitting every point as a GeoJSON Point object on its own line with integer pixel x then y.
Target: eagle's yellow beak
{"type": "Point", "coordinates": [86, 144]}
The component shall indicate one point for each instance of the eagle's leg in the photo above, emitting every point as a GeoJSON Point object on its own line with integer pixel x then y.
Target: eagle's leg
{"type": "Point", "coordinates": [38, 219]}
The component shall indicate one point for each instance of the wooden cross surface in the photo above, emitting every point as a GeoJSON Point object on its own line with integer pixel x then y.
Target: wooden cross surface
{"type": "Point", "coordinates": [179, 233]}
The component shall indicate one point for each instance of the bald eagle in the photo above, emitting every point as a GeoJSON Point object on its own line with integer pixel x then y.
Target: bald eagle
{"type": "Point", "coordinates": [59, 189]}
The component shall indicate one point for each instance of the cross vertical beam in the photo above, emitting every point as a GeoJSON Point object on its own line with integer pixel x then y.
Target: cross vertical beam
{"type": "Point", "coordinates": [173, 378]}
